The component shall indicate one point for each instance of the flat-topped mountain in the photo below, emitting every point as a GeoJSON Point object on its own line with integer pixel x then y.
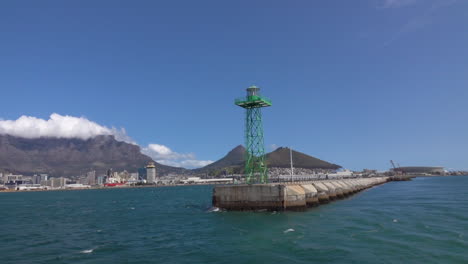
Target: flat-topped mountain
{"type": "Point", "coordinates": [72, 156]}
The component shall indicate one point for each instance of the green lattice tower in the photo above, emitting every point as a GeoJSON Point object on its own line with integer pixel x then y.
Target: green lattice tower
{"type": "Point", "coordinates": [255, 165]}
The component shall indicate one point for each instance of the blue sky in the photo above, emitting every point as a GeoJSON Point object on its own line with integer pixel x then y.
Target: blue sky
{"type": "Point", "coordinates": [355, 82]}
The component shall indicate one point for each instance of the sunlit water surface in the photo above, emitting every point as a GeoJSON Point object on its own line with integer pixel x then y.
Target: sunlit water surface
{"type": "Point", "coordinates": [422, 221]}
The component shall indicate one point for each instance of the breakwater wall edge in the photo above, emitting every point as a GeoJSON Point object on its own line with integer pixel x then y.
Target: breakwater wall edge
{"type": "Point", "coordinates": [290, 196]}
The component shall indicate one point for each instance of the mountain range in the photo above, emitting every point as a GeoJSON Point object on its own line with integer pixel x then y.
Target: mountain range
{"type": "Point", "coordinates": [73, 157]}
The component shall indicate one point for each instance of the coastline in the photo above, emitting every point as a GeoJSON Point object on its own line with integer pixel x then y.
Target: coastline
{"type": "Point", "coordinates": [103, 188]}
{"type": "Point", "coordinates": [159, 186]}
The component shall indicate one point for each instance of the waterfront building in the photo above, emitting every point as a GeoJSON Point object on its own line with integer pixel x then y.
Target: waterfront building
{"type": "Point", "coordinates": [82, 180]}
{"type": "Point", "coordinates": [27, 179]}
{"type": "Point", "coordinates": [59, 182]}
{"type": "Point", "coordinates": [46, 183]}
{"type": "Point", "coordinates": [36, 179]}
{"type": "Point", "coordinates": [11, 178]}
{"type": "Point", "coordinates": [101, 180]}
{"type": "Point", "coordinates": [109, 173]}
{"type": "Point", "coordinates": [40, 179]}
{"type": "Point", "coordinates": [91, 177]}
{"type": "Point", "coordinates": [118, 177]}
{"type": "Point", "coordinates": [77, 186]}
{"type": "Point", "coordinates": [44, 177]}
{"type": "Point", "coordinates": [29, 187]}
{"type": "Point", "coordinates": [151, 173]}
{"type": "Point", "coordinates": [134, 176]}
{"type": "Point", "coordinates": [124, 176]}
{"type": "Point", "coordinates": [55, 182]}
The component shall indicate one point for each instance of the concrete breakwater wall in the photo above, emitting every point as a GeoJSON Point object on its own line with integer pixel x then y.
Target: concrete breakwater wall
{"type": "Point", "coordinates": [288, 196]}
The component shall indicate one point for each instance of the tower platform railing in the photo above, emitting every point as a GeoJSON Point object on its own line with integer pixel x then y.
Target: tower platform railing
{"type": "Point", "coordinates": [259, 100]}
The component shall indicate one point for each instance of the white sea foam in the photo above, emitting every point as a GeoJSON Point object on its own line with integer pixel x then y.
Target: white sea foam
{"type": "Point", "coordinates": [288, 230]}
{"type": "Point", "coordinates": [214, 209]}
{"type": "Point", "coordinates": [87, 251]}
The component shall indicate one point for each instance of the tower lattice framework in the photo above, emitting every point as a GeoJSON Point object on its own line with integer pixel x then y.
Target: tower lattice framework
{"type": "Point", "coordinates": [255, 163]}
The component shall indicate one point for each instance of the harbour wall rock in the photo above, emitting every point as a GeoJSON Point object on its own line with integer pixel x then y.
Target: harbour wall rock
{"type": "Point", "coordinates": [288, 196]}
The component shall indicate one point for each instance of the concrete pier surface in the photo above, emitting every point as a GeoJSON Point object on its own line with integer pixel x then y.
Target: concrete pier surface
{"type": "Point", "coordinates": [289, 196]}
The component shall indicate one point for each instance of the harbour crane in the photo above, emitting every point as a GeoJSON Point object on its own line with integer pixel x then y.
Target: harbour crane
{"type": "Point", "coordinates": [397, 171]}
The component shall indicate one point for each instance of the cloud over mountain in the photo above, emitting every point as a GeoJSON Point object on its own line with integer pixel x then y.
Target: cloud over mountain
{"type": "Point", "coordinates": [56, 126]}
{"type": "Point", "coordinates": [64, 126]}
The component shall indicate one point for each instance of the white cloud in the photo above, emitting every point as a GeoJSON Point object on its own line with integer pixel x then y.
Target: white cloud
{"type": "Point", "coordinates": [164, 155]}
{"type": "Point", "coordinates": [121, 135]}
{"type": "Point", "coordinates": [59, 126]}
{"type": "Point", "coordinates": [161, 152]}
{"type": "Point", "coordinates": [56, 126]}
{"type": "Point", "coordinates": [188, 164]}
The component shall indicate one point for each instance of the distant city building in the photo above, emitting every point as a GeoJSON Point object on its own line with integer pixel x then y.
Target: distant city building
{"type": "Point", "coordinates": [28, 187]}
{"type": "Point", "coordinates": [91, 177]}
{"type": "Point", "coordinates": [59, 182]}
{"type": "Point", "coordinates": [124, 176]}
{"type": "Point", "coordinates": [151, 173]}
{"type": "Point", "coordinates": [38, 178]}
{"type": "Point", "coordinates": [13, 179]}
{"type": "Point", "coordinates": [44, 177]}
{"type": "Point", "coordinates": [101, 180]}
{"type": "Point", "coordinates": [77, 186]}
{"type": "Point", "coordinates": [47, 183]}
{"type": "Point", "coordinates": [134, 176]}
{"type": "Point", "coordinates": [55, 182]}
{"type": "Point", "coordinates": [82, 180]}
{"type": "Point", "coordinates": [27, 179]}
{"type": "Point", "coordinates": [117, 177]}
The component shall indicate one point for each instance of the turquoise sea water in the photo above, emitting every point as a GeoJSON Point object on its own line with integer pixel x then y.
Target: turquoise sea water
{"type": "Point", "coordinates": [422, 221]}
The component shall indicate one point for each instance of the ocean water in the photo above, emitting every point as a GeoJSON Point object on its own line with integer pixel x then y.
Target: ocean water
{"type": "Point", "coordinates": [422, 221]}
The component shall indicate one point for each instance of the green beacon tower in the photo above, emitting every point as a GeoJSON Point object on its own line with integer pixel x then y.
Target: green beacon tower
{"type": "Point", "coordinates": [255, 166]}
